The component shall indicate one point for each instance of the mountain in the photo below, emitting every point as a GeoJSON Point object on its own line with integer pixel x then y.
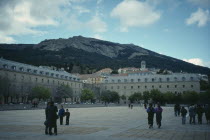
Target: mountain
{"type": "Point", "coordinates": [86, 55]}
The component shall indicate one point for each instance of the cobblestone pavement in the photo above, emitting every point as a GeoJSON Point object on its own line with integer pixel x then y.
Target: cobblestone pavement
{"type": "Point", "coordinates": [104, 123]}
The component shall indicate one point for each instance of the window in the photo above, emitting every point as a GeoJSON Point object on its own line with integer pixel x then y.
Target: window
{"type": "Point", "coordinates": [139, 80]}
{"type": "Point", "coordinates": [152, 86]}
{"type": "Point", "coordinates": [35, 71]}
{"type": "Point", "coordinates": [175, 86]}
{"type": "Point", "coordinates": [52, 74]}
{"type": "Point", "coordinates": [145, 86]}
{"type": "Point", "coordinates": [160, 79]}
{"type": "Point", "coordinates": [168, 79]}
{"type": "Point", "coordinates": [183, 78]}
{"type": "Point", "coordinates": [191, 86]}
{"type": "Point", "coordinates": [13, 67]}
{"type": "Point", "coordinates": [125, 80]}
{"type": "Point", "coordinates": [153, 79]}
{"type": "Point", "coordinates": [48, 81]}
{"type": "Point", "coordinates": [36, 79]}
{"type": "Point", "coordinates": [124, 87]}
{"type": "Point", "coordinates": [183, 86]}
{"type": "Point", "coordinates": [175, 78]}
{"type": "Point", "coordinates": [118, 87]}
{"type": "Point", "coordinates": [131, 87]}
{"type": "Point", "coordinates": [119, 81]}
{"type": "Point", "coordinates": [160, 86]}
{"type": "Point", "coordinates": [191, 78]}
{"type": "Point", "coordinates": [138, 87]}
{"type": "Point", "coordinates": [145, 79]}
{"type": "Point", "coordinates": [112, 81]}
{"type": "Point", "coordinates": [53, 81]}
{"type": "Point", "coordinates": [42, 80]}
{"type": "Point", "coordinates": [167, 86]}
{"type": "Point", "coordinates": [132, 80]}
{"type": "Point", "coordinates": [111, 87]}
{"type": "Point", "coordinates": [5, 66]}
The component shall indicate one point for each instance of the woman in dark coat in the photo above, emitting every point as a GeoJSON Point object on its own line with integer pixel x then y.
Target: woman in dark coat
{"type": "Point", "coordinates": [52, 118]}
{"type": "Point", "coordinates": [151, 112]}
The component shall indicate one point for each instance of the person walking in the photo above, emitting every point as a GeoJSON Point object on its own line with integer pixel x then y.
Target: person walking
{"type": "Point", "coordinates": [46, 121]}
{"type": "Point", "coordinates": [183, 114]}
{"type": "Point", "coordinates": [61, 114]}
{"type": "Point", "coordinates": [150, 111]}
{"type": "Point", "coordinates": [192, 114]}
{"type": "Point", "coordinates": [200, 114]}
{"type": "Point", "coordinates": [67, 114]}
{"type": "Point", "coordinates": [158, 112]}
{"type": "Point", "coordinates": [52, 118]}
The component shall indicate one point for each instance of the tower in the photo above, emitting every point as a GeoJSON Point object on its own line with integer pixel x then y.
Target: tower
{"type": "Point", "coordinates": [143, 65]}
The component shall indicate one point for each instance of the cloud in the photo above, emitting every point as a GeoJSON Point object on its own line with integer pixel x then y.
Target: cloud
{"type": "Point", "coordinates": [6, 39]}
{"type": "Point", "coordinates": [133, 13]}
{"type": "Point", "coordinates": [22, 17]}
{"type": "Point", "coordinates": [81, 9]}
{"type": "Point", "coordinates": [97, 36]}
{"type": "Point", "coordinates": [200, 17]}
{"type": "Point", "coordinates": [97, 25]}
{"type": "Point", "coordinates": [197, 61]}
{"type": "Point", "coordinates": [202, 3]}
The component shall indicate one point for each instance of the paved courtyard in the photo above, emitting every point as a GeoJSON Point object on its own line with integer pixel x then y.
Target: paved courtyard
{"type": "Point", "coordinates": [100, 123]}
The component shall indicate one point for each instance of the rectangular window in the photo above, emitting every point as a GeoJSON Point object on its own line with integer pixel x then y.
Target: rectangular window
{"type": "Point", "coordinates": [167, 86]}
{"type": "Point", "coordinates": [36, 79]}
{"type": "Point", "coordinates": [42, 80]}
{"type": "Point", "coordinates": [131, 87]}
{"type": "Point", "coordinates": [175, 86]}
{"type": "Point", "coordinates": [160, 86]}
{"type": "Point", "coordinates": [138, 87]}
{"type": "Point", "coordinates": [183, 86]}
{"type": "Point", "coordinates": [124, 87]}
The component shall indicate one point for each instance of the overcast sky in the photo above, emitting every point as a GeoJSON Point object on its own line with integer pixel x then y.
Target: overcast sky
{"type": "Point", "coordinates": [177, 28]}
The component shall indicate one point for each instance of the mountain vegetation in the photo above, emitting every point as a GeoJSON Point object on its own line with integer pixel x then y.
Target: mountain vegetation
{"type": "Point", "coordinates": [87, 55]}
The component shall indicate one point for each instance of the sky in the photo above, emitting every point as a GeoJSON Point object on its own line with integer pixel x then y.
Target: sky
{"type": "Point", "coordinates": [176, 28]}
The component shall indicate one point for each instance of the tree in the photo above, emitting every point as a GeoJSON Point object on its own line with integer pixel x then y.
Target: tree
{"type": "Point", "coordinates": [190, 97]}
{"type": "Point", "coordinates": [169, 97]}
{"type": "Point", "coordinates": [105, 96]}
{"type": "Point", "coordinates": [87, 94]}
{"type": "Point", "coordinates": [156, 95]}
{"type": "Point", "coordinates": [4, 88]}
{"type": "Point", "coordinates": [135, 97]}
{"type": "Point", "coordinates": [204, 97]}
{"type": "Point", "coordinates": [123, 97]}
{"type": "Point", "coordinates": [40, 92]}
{"type": "Point", "coordinates": [115, 97]}
{"type": "Point", "coordinates": [63, 91]}
{"type": "Point", "coordinates": [110, 96]}
{"type": "Point", "coordinates": [146, 96]}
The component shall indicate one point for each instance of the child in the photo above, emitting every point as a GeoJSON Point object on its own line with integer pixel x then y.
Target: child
{"type": "Point", "coordinates": [67, 114]}
{"type": "Point", "coordinates": [183, 113]}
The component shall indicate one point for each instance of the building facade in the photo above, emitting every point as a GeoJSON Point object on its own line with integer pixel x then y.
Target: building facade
{"type": "Point", "coordinates": [22, 78]}
{"type": "Point", "coordinates": [140, 82]}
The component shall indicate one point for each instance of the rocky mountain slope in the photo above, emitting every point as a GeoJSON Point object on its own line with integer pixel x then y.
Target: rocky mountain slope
{"type": "Point", "coordinates": [91, 54]}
